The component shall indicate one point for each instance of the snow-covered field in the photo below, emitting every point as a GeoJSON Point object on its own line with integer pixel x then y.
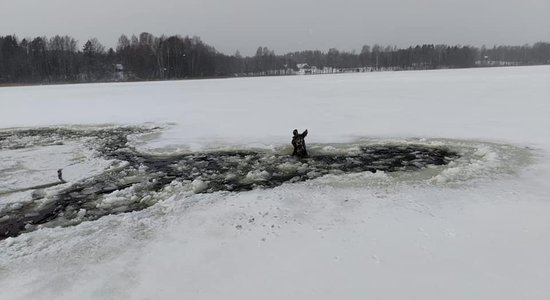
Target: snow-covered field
{"type": "Point", "coordinates": [477, 228]}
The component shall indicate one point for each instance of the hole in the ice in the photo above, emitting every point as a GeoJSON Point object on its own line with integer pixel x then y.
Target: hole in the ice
{"type": "Point", "coordinates": [134, 186]}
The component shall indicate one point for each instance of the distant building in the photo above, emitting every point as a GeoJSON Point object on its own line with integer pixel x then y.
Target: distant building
{"type": "Point", "coordinates": [305, 69]}
{"type": "Point", "coordinates": [119, 72]}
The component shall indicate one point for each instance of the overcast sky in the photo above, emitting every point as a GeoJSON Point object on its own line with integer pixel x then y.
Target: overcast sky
{"type": "Point", "coordinates": [286, 25]}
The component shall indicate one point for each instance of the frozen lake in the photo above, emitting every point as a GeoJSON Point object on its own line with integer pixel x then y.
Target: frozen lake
{"type": "Point", "coordinates": [428, 185]}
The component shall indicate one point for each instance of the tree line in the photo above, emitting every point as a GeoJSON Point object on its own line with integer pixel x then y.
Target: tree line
{"type": "Point", "coordinates": [147, 57]}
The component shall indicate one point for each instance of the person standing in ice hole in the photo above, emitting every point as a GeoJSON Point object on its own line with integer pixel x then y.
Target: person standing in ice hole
{"type": "Point", "coordinates": [299, 143]}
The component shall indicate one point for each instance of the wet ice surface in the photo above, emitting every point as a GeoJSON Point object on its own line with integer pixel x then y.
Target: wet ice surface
{"type": "Point", "coordinates": [134, 181]}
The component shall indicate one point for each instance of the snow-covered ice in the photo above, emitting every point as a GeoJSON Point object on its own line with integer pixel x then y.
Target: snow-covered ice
{"type": "Point", "coordinates": [477, 228]}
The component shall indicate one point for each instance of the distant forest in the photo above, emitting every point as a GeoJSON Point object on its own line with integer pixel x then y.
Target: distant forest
{"type": "Point", "coordinates": [59, 59]}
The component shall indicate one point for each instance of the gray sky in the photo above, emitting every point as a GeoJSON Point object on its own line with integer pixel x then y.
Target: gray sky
{"type": "Point", "coordinates": [286, 25]}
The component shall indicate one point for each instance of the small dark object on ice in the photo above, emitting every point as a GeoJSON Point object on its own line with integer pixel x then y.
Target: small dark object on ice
{"type": "Point", "coordinates": [299, 143]}
{"type": "Point", "coordinates": [60, 175]}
